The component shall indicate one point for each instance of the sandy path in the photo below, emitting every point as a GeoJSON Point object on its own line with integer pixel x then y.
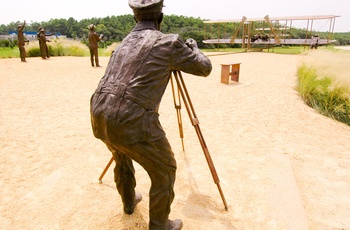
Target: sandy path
{"type": "Point", "coordinates": [281, 165]}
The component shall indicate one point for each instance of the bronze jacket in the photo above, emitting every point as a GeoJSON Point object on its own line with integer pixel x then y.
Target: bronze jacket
{"type": "Point", "coordinates": [124, 106]}
{"type": "Point", "coordinates": [93, 40]}
{"type": "Point", "coordinates": [20, 38]}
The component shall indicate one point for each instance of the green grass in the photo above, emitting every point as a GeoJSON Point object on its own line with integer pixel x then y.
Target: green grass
{"type": "Point", "coordinates": [322, 86]}
{"type": "Point", "coordinates": [7, 52]}
{"type": "Point", "coordinates": [229, 50]}
{"type": "Point", "coordinates": [289, 49]}
{"type": "Point", "coordinates": [74, 48]}
{"type": "Point", "coordinates": [57, 47]}
{"type": "Point", "coordinates": [279, 50]}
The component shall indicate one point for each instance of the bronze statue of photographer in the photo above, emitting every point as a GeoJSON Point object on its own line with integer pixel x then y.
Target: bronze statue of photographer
{"type": "Point", "coordinates": [124, 112]}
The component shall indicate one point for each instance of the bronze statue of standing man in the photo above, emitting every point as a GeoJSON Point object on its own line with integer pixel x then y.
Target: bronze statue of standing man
{"type": "Point", "coordinates": [44, 50]}
{"type": "Point", "coordinates": [93, 45]}
{"type": "Point", "coordinates": [21, 41]}
{"type": "Point", "coordinates": [124, 108]}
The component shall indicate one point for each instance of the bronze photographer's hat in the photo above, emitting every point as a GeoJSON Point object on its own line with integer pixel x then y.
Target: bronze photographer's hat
{"type": "Point", "coordinates": [91, 27]}
{"type": "Point", "coordinates": [140, 7]}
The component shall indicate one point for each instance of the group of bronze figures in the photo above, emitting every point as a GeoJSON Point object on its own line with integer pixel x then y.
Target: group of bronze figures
{"type": "Point", "coordinates": [41, 37]}
{"type": "Point", "coordinates": [44, 50]}
{"type": "Point", "coordinates": [124, 107]}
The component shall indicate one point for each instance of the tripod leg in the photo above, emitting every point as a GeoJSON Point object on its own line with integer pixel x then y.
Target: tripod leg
{"type": "Point", "coordinates": [177, 104]}
{"type": "Point", "coordinates": [194, 120]}
{"type": "Point", "coordinates": [105, 170]}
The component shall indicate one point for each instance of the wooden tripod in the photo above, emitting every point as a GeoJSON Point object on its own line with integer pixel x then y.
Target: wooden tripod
{"type": "Point", "coordinates": [178, 93]}
{"type": "Point", "coordinates": [183, 93]}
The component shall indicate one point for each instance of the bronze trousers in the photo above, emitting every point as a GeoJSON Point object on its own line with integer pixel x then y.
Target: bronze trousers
{"type": "Point", "coordinates": [94, 56]}
{"type": "Point", "coordinates": [158, 160]}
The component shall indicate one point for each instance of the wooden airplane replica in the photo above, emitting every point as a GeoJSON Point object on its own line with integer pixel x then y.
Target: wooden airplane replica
{"type": "Point", "coordinates": [272, 31]}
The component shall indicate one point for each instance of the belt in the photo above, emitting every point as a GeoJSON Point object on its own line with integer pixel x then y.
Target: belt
{"type": "Point", "coordinates": [117, 90]}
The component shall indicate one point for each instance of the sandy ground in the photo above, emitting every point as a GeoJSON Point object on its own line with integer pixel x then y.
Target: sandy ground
{"type": "Point", "coordinates": [281, 165]}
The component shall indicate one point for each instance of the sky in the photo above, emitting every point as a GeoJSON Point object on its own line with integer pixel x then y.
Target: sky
{"type": "Point", "coordinates": [40, 10]}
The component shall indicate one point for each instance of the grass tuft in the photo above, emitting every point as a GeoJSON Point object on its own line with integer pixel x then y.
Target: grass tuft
{"type": "Point", "coordinates": [323, 83]}
{"type": "Point", "coordinates": [7, 52]}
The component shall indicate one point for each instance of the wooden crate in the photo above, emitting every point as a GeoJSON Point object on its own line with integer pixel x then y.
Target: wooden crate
{"type": "Point", "coordinates": [230, 69]}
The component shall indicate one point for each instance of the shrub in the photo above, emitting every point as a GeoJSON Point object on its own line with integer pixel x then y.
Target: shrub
{"type": "Point", "coordinates": [59, 47]}
{"type": "Point", "coordinates": [5, 43]}
{"type": "Point", "coordinates": [66, 47]}
{"type": "Point", "coordinates": [33, 52]}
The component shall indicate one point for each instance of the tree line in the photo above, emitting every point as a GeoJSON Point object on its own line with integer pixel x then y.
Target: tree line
{"type": "Point", "coordinates": [115, 28]}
